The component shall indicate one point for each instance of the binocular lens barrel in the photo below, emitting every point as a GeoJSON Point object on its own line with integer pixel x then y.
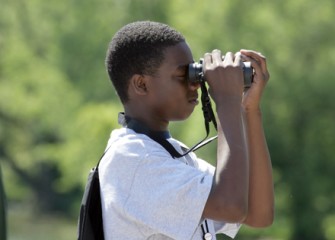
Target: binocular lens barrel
{"type": "Point", "coordinates": [195, 73]}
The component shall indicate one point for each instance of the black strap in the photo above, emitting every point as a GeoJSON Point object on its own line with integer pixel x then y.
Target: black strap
{"type": "Point", "coordinates": [207, 109]}
{"type": "Point", "coordinates": [158, 136]}
{"type": "Point", "coordinates": [101, 158]}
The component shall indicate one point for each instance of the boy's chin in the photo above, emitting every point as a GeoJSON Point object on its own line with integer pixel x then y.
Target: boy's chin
{"type": "Point", "coordinates": [182, 117]}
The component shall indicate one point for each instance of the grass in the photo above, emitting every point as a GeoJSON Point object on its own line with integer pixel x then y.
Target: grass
{"type": "Point", "coordinates": [23, 224]}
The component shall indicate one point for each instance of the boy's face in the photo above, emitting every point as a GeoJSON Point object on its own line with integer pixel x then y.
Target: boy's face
{"type": "Point", "coordinates": [172, 97]}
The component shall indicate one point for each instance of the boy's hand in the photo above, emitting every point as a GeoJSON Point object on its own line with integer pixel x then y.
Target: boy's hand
{"type": "Point", "coordinates": [224, 76]}
{"type": "Point", "coordinates": [251, 98]}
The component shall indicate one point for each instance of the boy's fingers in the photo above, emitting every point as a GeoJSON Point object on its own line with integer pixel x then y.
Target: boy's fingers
{"type": "Point", "coordinates": [256, 56]}
{"type": "Point", "coordinates": [217, 56]}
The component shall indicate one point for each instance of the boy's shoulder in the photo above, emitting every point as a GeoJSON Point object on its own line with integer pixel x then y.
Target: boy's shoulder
{"type": "Point", "coordinates": [125, 141]}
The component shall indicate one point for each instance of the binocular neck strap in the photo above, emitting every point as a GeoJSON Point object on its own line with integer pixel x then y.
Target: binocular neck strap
{"type": "Point", "coordinates": [209, 116]}
{"type": "Point", "coordinates": [162, 136]}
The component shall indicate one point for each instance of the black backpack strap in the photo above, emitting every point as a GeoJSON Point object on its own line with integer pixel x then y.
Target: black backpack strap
{"type": "Point", "coordinates": [102, 157]}
{"type": "Point", "coordinates": [90, 222]}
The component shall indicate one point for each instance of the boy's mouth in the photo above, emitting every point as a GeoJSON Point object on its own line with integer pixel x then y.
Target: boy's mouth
{"type": "Point", "coordinates": [193, 100]}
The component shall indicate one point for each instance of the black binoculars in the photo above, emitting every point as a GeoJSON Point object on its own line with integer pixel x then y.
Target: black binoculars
{"type": "Point", "coordinates": [196, 75]}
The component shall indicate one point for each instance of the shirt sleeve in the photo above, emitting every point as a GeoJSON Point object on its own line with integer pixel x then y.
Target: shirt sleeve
{"type": "Point", "coordinates": [168, 196]}
{"type": "Point", "coordinates": [229, 229]}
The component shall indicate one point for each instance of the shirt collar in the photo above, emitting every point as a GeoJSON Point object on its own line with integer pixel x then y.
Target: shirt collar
{"type": "Point", "coordinates": [140, 127]}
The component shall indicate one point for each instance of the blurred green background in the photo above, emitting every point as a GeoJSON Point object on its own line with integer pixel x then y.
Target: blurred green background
{"type": "Point", "coordinates": [57, 106]}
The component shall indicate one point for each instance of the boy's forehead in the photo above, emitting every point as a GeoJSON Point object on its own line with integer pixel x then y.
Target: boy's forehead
{"type": "Point", "coordinates": [178, 55]}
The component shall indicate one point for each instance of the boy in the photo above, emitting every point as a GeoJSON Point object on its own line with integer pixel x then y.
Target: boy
{"type": "Point", "coordinates": [148, 194]}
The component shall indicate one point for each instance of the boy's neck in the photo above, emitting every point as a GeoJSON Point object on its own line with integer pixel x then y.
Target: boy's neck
{"type": "Point", "coordinates": [145, 117]}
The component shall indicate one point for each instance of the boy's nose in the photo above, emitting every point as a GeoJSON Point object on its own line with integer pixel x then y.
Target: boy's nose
{"type": "Point", "coordinates": [194, 85]}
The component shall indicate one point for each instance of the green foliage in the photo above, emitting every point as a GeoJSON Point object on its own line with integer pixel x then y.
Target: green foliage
{"type": "Point", "coordinates": [57, 106]}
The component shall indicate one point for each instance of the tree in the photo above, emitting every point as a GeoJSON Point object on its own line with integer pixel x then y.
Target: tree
{"type": "Point", "coordinates": [57, 107]}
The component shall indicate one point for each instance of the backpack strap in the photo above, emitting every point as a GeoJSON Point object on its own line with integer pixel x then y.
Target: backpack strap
{"type": "Point", "coordinates": [101, 157]}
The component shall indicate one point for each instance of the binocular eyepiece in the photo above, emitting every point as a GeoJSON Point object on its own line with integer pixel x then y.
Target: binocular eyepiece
{"type": "Point", "coordinates": [196, 75]}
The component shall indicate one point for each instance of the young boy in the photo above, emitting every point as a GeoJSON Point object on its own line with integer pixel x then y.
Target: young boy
{"type": "Point", "coordinates": [148, 194]}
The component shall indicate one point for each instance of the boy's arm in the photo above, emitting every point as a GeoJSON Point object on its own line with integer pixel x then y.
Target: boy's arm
{"type": "Point", "coordinates": [242, 188]}
{"type": "Point", "coordinates": [261, 193]}
{"type": "Point", "coordinates": [261, 199]}
{"type": "Point", "coordinates": [228, 199]}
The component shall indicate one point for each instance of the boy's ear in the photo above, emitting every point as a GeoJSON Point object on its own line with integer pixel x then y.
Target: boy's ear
{"type": "Point", "coordinates": [138, 83]}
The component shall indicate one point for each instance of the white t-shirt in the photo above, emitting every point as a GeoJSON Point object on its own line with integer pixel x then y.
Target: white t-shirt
{"type": "Point", "coordinates": [147, 194]}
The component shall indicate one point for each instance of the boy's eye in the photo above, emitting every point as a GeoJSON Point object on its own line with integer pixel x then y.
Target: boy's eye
{"type": "Point", "coordinates": [182, 78]}
{"type": "Point", "coordinates": [182, 74]}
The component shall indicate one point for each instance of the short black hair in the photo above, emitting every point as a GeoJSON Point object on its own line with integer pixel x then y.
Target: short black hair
{"type": "Point", "coordinates": [138, 48]}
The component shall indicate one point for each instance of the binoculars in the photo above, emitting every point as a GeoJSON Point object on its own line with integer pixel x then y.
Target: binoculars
{"type": "Point", "coordinates": [196, 75]}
